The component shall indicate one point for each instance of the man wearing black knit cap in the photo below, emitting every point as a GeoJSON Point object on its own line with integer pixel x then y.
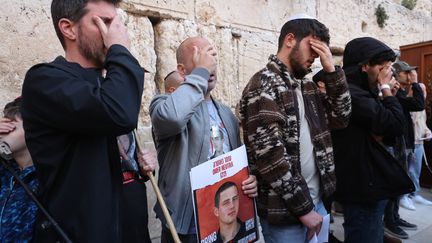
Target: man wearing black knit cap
{"type": "Point", "coordinates": [365, 171]}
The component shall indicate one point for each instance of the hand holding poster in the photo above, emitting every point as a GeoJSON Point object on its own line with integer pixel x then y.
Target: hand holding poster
{"type": "Point", "coordinates": [223, 213]}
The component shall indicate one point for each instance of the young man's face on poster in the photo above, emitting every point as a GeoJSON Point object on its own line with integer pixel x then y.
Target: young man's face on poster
{"type": "Point", "coordinates": [227, 208]}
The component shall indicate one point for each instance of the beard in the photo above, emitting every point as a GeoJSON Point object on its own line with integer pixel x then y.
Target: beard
{"type": "Point", "coordinates": [91, 49]}
{"type": "Point", "coordinates": [298, 71]}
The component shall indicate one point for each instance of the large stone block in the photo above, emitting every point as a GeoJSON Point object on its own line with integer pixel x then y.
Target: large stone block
{"type": "Point", "coordinates": [404, 26]}
{"type": "Point", "coordinates": [341, 21]}
{"type": "Point", "coordinates": [7, 94]}
{"type": "Point", "coordinates": [28, 37]}
{"type": "Point", "coordinates": [424, 6]}
{"type": "Point", "coordinates": [141, 34]}
{"type": "Point", "coordinates": [244, 33]}
{"type": "Point", "coordinates": [169, 34]}
{"type": "Point", "coordinates": [250, 15]}
{"type": "Point", "coordinates": [240, 55]}
{"type": "Point", "coordinates": [164, 9]}
{"type": "Point", "coordinates": [345, 23]}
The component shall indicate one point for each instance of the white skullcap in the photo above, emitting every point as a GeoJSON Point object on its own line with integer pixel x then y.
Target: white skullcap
{"type": "Point", "coordinates": [300, 16]}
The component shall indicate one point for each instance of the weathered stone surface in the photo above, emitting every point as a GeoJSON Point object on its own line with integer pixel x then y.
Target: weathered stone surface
{"type": "Point", "coordinates": [163, 9]}
{"type": "Point", "coordinates": [239, 58]}
{"type": "Point", "coordinates": [246, 14]}
{"type": "Point", "coordinates": [405, 26]}
{"type": "Point", "coordinates": [169, 34]}
{"type": "Point", "coordinates": [28, 37]}
{"type": "Point", "coordinates": [244, 32]}
{"type": "Point", "coordinates": [424, 6]}
{"type": "Point", "coordinates": [7, 94]}
{"type": "Point", "coordinates": [239, 54]}
{"type": "Point", "coordinates": [142, 47]}
{"type": "Point", "coordinates": [356, 18]}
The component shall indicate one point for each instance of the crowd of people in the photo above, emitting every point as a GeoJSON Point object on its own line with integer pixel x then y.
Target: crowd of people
{"type": "Point", "coordinates": [353, 134]}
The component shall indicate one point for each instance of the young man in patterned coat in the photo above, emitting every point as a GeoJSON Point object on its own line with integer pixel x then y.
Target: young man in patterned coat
{"type": "Point", "coordinates": [287, 122]}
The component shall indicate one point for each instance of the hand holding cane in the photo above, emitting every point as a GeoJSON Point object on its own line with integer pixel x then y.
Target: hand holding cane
{"type": "Point", "coordinates": [159, 196]}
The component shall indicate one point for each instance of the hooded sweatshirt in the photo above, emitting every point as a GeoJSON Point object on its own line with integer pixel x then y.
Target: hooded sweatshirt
{"type": "Point", "coordinates": [365, 171]}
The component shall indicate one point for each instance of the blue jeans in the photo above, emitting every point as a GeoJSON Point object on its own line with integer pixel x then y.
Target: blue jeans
{"type": "Point", "coordinates": [288, 233]}
{"type": "Point", "coordinates": [364, 222]}
{"type": "Point", "coordinates": [415, 165]}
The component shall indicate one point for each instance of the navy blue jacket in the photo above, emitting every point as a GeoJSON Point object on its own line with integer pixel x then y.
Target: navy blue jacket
{"type": "Point", "coordinates": [17, 209]}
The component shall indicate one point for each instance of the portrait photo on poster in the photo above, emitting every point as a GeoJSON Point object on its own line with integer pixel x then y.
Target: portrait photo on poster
{"type": "Point", "coordinates": [223, 213]}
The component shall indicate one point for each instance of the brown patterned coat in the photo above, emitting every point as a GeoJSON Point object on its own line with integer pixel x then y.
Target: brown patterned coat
{"type": "Point", "coordinates": [269, 117]}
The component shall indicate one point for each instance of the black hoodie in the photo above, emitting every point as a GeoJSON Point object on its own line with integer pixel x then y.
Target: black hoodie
{"type": "Point", "coordinates": [353, 59]}
{"type": "Point", "coordinates": [365, 171]}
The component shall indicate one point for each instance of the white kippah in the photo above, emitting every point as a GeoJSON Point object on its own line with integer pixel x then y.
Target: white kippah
{"type": "Point", "coordinates": [300, 16]}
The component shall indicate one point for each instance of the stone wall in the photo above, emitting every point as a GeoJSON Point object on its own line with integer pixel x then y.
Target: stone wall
{"type": "Point", "coordinates": [244, 31]}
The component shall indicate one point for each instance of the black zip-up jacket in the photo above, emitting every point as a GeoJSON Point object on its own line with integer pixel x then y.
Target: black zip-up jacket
{"type": "Point", "coordinates": [72, 116]}
{"type": "Point", "coordinates": [365, 171]}
{"type": "Point", "coordinates": [409, 104]}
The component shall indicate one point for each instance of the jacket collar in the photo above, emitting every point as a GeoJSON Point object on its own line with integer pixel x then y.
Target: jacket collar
{"type": "Point", "coordinates": [278, 67]}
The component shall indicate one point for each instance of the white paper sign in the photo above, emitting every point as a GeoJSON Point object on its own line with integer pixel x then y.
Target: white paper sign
{"type": "Point", "coordinates": [212, 171]}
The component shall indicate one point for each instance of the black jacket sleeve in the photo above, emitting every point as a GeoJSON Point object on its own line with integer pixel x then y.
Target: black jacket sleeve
{"type": "Point", "coordinates": [62, 95]}
{"type": "Point", "coordinates": [414, 103]}
{"type": "Point", "coordinates": [382, 118]}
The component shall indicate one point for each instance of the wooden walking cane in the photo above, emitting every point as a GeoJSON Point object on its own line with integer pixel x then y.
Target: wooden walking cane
{"type": "Point", "coordinates": [159, 196]}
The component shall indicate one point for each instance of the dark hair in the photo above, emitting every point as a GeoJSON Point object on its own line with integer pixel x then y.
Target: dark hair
{"type": "Point", "coordinates": [73, 10]}
{"type": "Point", "coordinates": [382, 57]}
{"type": "Point", "coordinates": [302, 28]}
{"type": "Point", "coordinates": [12, 109]}
{"type": "Point", "coordinates": [222, 188]}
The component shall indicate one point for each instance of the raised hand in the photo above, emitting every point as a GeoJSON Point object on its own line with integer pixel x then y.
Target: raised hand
{"type": "Point", "coordinates": [395, 86]}
{"type": "Point", "coordinates": [6, 126]}
{"type": "Point", "coordinates": [205, 57]}
{"type": "Point", "coordinates": [113, 31]}
{"type": "Point", "coordinates": [385, 75]}
{"type": "Point", "coordinates": [323, 51]}
{"type": "Point", "coordinates": [412, 77]}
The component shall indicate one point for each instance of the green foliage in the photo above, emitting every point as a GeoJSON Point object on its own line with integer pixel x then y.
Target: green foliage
{"type": "Point", "coordinates": [381, 16]}
{"type": "Point", "coordinates": [409, 4]}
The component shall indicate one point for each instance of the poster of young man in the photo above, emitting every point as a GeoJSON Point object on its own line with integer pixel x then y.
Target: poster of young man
{"type": "Point", "coordinates": [222, 212]}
